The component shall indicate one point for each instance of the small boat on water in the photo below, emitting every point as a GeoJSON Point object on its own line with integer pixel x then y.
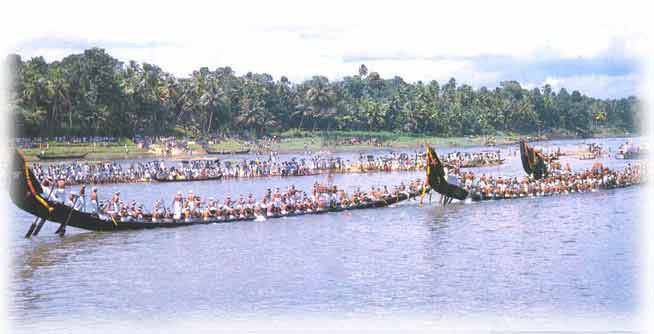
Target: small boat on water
{"type": "Point", "coordinates": [478, 163]}
{"type": "Point", "coordinates": [186, 179]}
{"type": "Point", "coordinates": [61, 156]}
{"type": "Point", "coordinates": [25, 192]}
{"type": "Point", "coordinates": [629, 155]}
{"type": "Point", "coordinates": [227, 152]}
{"type": "Point", "coordinates": [587, 156]}
{"type": "Point", "coordinates": [630, 151]}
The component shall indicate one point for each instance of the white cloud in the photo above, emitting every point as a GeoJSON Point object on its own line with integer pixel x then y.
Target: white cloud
{"type": "Point", "coordinates": [554, 82]}
{"type": "Point", "coordinates": [597, 85]}
{"type": "Point", "coordinates": [301, 39]}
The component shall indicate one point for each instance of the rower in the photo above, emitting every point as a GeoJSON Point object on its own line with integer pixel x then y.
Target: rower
{"type": "Point", "coordinates": [138, 213]}
{"type": "Point", "coordinates": [177, 206]}
{"type": "Point", "coordinates": [73, 200]}
{"type": "Point", "coordinates": [211, 207]}
{"type": "Point", "coordinates": [197, 207]}
{"type": "Point", "coordinates": [60, 192]}
{"type": "Point", "coordinates": [251, 202]}
{"type": "Point", "coordinates": [94, 200]}
{"type": "Point", "coordinates": [46, 187]}
{"type": "Point", "coordinates": [227, 206]}
{"type": "Point", "coordinates": [115, 201]}
{"type": "Point", "coordinates": [156, 211]}
{"type": "Point", "coordinates": [190, 199]}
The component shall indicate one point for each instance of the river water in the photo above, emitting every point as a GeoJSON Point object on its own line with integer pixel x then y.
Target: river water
{"type": "Point", "coordinates": [570, 257]}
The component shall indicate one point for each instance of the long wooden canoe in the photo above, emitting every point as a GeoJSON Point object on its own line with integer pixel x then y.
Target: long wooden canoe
{"type": "Point", "coordinates": [178, 179]}
{"type": "Point", "coordinates": [26, 192]}
{"type": "Point", "coordinates": [61, 156]}
{"type": "Point", "coordinates": [227, 152]}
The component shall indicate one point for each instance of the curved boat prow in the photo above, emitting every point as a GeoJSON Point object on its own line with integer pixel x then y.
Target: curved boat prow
{"type": "Point", "coordinates": [436, 178]}
{"type": "Point", "coordinates": [25, 190]}
{"type": "Point", "coordinates": [532, 162]}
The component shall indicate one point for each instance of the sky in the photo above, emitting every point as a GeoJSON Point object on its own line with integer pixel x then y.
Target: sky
{"type": "Point", "coordinates": [592, 47]}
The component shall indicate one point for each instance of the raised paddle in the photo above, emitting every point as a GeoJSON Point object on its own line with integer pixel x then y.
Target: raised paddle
{"type": "Point", "coordinates": [62, 228]}
{"type": "Point", "coordinates": [33, 230]}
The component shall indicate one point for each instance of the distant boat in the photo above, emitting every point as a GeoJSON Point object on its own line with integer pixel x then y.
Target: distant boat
{"type": "Point", "coordinates": [25, 191]}
{"type": "Point", "coordinates": [630, 151]}
{"type": "Point", "coordinates": [629, 155]}
{"type": "Point", "coordinates": [480, 163]}
{"type": "Point", "coordinates": [228, 152]}
{"type": "Point", "coordinates": [61, 156]}
{"type": "Point", "coordinates": [184, 179]}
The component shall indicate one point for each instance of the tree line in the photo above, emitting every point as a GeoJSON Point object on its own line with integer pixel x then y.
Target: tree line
{"type": "Point", "coordinates": [95, 94]}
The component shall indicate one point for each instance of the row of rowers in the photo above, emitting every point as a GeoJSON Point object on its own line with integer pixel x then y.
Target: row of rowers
{"type": "Point", "coordinates": [73, 173]}
{"type": "Point", "coordinates": [193, 207]}
{"type": "Point", "coordinates": [559, 182]}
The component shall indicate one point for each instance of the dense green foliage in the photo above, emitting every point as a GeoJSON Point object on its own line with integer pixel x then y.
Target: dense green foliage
{"type": "Point", "coordinates": [94, 94]}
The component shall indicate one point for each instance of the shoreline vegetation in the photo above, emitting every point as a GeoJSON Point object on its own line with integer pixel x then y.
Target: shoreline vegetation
{"type": "Point", "coordinates": [93, 94]}
{"type": "Point", "coordinates": [313, 142]}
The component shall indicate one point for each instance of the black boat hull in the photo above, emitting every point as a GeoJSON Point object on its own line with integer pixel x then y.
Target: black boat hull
{"type": "Point", "coordinates": [165, 179]}
{"type": "Point", "coordinates": [25, 193]}
{"type": "Point", "coordinates": [227, 152]}
{"type": "Point", "coordinates": [61, 157]}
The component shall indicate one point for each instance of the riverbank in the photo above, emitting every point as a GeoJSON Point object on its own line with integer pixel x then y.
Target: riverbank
{"type": "Point", "coordinates": [289, 143]}
{"type": "Point", "coordinates": [340, 142]}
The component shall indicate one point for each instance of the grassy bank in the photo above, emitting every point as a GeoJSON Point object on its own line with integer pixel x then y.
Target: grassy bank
{"type": "Point", "coordinates": [299, 141]}
{"type": "Point", "coordinates": [95, 152]}
{"type": "Point", "coordinates": [319, 143]}
{"type": "Point", "coordinates": [296, 141]}
{"type": "Point", "coordinates": [225, 145]}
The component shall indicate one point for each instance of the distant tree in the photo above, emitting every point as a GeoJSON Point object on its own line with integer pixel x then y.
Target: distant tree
{"type": "Point", "coordinates": [92, 93]}
{"type": "Point", "coordinates": [363, 70]}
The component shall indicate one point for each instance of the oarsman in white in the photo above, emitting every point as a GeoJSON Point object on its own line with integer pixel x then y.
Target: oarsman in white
{"type": "Point", "coordinates": [46, 188]}
{"type": "Point", "coordinates": [59, 195]}
{"type": "Point", "coordinates": [177, 206]}
{"type": "Point", "coordinates": [73, 200]}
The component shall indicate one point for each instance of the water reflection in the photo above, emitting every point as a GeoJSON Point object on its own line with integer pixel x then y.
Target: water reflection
{"type": "Point", "coordinates": [52, 252]}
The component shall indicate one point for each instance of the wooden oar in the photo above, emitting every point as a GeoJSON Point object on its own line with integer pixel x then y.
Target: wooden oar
{"type": "Point", "coordinates": [38, 227]}
{"type": "Point", "coordinates": [424, 190]}
{"type": "Point", "coordinates": [33, 228]}
{"type": "Point", "coordinates": [62, 228]}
